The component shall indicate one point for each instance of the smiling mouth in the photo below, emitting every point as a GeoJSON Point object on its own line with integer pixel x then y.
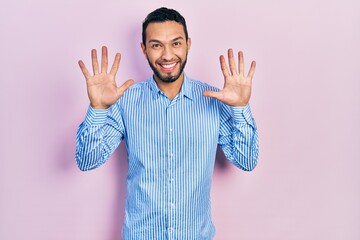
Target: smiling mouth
{"type": "Point", "coordinates": [168, 67]}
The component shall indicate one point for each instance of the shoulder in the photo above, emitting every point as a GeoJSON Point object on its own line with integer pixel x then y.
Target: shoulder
{"type": "Point", "coordinates": [138, 86]}
{"type": "Point", "coordinates": [196, 84]}
{"type": "Point", "coordinates": [132, 94]}
{"type": "Point", "coordinates": [198, 88]}
{"type": "Point", "coordinates": [134, 90]}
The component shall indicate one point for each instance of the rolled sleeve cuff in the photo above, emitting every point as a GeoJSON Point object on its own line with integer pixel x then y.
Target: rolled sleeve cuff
{"type": "Point", "coordinates": [95, 117]}
{"type": "Point", "coordinates": [242, 115]}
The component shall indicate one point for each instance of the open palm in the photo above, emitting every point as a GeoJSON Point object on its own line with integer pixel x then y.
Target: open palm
{"type": "Point", "coordinates": [101, 86]}
{"type": "Point", "coordinates": [237, 86]}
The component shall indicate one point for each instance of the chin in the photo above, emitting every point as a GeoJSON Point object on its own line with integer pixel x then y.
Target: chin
{"type": "Point", "coordinates": [167, 78]}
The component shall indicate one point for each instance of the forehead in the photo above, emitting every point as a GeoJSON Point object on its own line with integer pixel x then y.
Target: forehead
{"type": "Point", "coordinates": [164, 31]}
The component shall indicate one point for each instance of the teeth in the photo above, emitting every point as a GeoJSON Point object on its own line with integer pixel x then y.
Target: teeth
{"type": "Point", "coordinates": [168, 65]}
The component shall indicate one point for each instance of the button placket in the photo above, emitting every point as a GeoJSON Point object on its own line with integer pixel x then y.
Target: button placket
{"type": "Point", "coordinates": [171, 168]}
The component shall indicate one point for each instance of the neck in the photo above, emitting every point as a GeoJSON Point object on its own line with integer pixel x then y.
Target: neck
{"type": "Point", "coordinates": [170, 89]}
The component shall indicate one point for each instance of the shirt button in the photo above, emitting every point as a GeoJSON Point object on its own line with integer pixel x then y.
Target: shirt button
{"type": "Point", "coordinates": [170, 129]}
{"type": "Point", "coordinates": [171, 229]}
{"type": "Point", "coordinates": [171, 179]}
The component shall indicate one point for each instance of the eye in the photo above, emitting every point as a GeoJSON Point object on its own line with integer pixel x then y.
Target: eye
{"type": "Point", "coordinates": [156, 45]}
{"type": "Point", "coordinates": [177, 44]}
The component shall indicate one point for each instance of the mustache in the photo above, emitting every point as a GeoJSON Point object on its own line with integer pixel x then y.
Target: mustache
{"type": "Point", "coordinates": [168, 61]}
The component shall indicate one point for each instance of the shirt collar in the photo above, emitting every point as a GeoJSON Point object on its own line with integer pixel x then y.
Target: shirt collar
{"type": "Point", "coordinates": [186, 88]}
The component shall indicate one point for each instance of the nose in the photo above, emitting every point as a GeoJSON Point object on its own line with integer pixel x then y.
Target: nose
{"type": "Point", "coordinates": [167, 54]}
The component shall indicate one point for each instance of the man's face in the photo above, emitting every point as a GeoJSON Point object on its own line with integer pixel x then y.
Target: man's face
{"type": "Point", "coordinates": [166, 50]}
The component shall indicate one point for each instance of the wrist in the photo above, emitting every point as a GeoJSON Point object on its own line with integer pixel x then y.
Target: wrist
{"type": "Point", "coordinates": [99, 107]}
{"type": "Point", "coordinates": [240, 105]}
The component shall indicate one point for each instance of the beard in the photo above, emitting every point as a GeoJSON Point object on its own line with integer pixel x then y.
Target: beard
{"type": "Point", "coordinates": [168, 78]}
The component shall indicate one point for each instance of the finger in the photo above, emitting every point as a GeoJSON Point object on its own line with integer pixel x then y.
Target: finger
{"type": "Point", "coordinates": [104, 59]}
{"type": "Point", "coordinates": [94, 61]}
{"type": "Point", "coordinates": [241, 62]}
{"type": "Point", "coordinates": [252, 69]}
{"type": "Point", "coordinates": [115, 65]}
{"type": "Point", "coordinates": [224, 67]}
{"type": "Point", "coordinates": [84, 69]}
{"type": "Point", "coordinates": [124, 87]}
{"type": "Point", "coordinates": [232, 62]}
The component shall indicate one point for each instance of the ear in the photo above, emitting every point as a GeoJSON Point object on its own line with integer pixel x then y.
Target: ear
{"type": "Point", "coordinates": [143, 47]}
{"type": "Point", "coordinates": [188, 44]}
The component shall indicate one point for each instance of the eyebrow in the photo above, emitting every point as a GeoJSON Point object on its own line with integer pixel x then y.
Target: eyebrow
{"type": "Point", "coordinates": [157, 41]}
{"type": "Point", "coordinates": [178, 38]}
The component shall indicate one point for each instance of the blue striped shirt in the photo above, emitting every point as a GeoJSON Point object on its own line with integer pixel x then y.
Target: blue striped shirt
{"type": "Point", "coordinates": [171, 147]}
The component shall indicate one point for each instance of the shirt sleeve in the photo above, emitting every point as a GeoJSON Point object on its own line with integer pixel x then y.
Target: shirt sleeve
{"type": "Point", "coordinates": [238, 136]}
{"type": "Point", "coordinates": [98, 136]}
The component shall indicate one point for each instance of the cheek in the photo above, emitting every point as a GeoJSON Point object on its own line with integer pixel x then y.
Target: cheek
{"type": "Point", "coordinates": [182, 53]}
{"type": "Point", "coordinates": [153, 56]}
{"type": "Point", "coordinates": [182, 57]}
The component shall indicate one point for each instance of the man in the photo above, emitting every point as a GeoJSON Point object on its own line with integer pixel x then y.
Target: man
{"type": "Point", "coordinates": [172, 125]}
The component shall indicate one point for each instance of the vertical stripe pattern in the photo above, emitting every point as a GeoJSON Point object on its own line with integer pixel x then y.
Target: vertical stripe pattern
{"type": "Point", "coordinates": [171, 148]}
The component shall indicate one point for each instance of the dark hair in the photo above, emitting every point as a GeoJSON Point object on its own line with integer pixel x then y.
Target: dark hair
{"type": "Point", "coordinates": [162, 15]}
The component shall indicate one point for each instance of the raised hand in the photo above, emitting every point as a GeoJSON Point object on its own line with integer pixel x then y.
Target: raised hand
{"type": "Point", "coordinates": [237, 86]}
{"type": "Point", "coordinates": [101, 87]}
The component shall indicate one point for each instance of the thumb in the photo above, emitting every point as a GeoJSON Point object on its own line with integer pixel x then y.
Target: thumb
{"type": "Point", "coordinates": [212, 94]}
{"type": "Point", "coordinates": [124, 87]}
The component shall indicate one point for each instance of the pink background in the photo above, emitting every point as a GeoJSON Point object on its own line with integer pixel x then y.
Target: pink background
{"type": "Point", "coordinates": [305, 100]}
